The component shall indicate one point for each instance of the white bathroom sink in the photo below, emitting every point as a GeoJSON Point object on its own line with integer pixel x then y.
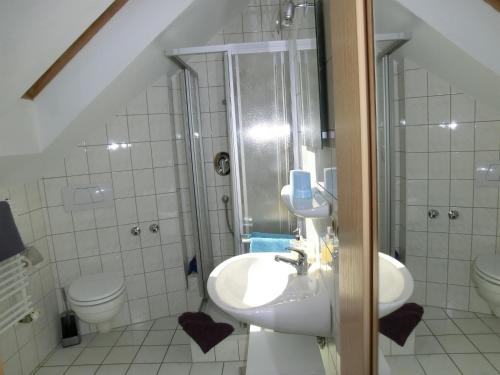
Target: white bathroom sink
{"type": "Point", "coordinates": [395, 284]}
{"type": "Point", "coordinates": [256, 289]}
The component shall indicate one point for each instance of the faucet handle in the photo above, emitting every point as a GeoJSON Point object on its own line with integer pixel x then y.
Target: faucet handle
{"type": "Point", "coordinates": [301, 253]}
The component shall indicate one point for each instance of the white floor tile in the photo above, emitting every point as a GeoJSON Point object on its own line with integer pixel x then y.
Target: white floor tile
{"type": "Point", "coordinates": [63, 356]}
{"type": "Point", "coordinates": [112, 369]}
{"type": "Point", "coordinates": [459, 314]}
{"type": "Point", "coordinates": [494, 359]}
{"type": "Point", "coordinates": [442, 327]}
{"type": "Point", "coordinates": [427, 345]}
{"type": "Point", "coordinates": [487, 343]}
{"type": "Point", "coordinates": [121, 354]}
{"type": "Point", "coordinates": [473, 364]}
{"type": "Point", "coordinates": [232, 368]}
{"type": "Point", "coordinates": [180, 338]}
{"type": "Point", "coordinates": [404, 365]}
{"type": "Point", "coordinates": [131, 338]}
{"type": "Point", "coordinates": [175, 369]}
{"type": "Point", "coordinates": [105, 339]}
{"type": "Point", "coordinates": [434, 313]}
{"type": "Point", "coordinates": [92, 356]}
{"type": "Point", "coordinates": [456, 344]}
{"type": "Point", "coordinates": [151, 354]}
{"type": "Point", "coordinates": [85, 339]}
{"type": "Point", "coordinates": [53, 370]}
{"type": "Point", "coordinates": [178, 353]}
{"type": "Point", "coordinates": [169, 322]}
{"type": "Point", "coordinates": [159, 337]}
{"type": "Point", "coordinates": [145, 326]}
{"type": "Point", "coordinates": [143, 369]}
{"type": "Point", "coordinates": [206, 369]}
{"type": "Point", "coordinates": [471, 326]}
{"type": "Point", "coordinates": [438, 364]}
{"type": "Point", "coordinates": [422, 330]}
{"type": "Point", "coordinates": [81, 370]}
{"type": "Point", "coordinates": [493, 323]}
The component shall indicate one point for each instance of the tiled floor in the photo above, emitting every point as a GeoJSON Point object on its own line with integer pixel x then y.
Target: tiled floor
{"type": "Point", "coordinates": [452, 342]}
{"type": "Point", "coordinates": [157, 347]}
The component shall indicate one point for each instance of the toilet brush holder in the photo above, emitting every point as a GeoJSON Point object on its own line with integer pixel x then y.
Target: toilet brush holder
{"type": "Point", "coordinates": [69, 325]}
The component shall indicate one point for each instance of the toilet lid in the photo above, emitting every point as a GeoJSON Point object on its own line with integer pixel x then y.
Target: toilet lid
{"type": "Point", "coordinates": [95, 287]}
{"type": "Point", "coordinates": [488, 265]}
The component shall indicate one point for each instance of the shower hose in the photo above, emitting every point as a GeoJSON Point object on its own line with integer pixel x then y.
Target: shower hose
{"type": "Point", "coordinates": [225, 200]}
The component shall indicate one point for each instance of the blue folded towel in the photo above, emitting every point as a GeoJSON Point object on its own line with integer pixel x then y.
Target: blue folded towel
{"type": "Point", "coordinates": [269, 242]}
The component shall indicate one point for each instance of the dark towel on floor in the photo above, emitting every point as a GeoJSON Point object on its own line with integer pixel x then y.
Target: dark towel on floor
{"type": "Point", "coordinates": [204, 330]}
{"type": "Point", "coordinates": [10, 241]}
{"type": "Point", "coordinates": [399, 324]}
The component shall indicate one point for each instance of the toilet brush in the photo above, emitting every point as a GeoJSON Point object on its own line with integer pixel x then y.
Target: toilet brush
{"type": "Point", "coordinates": [69, 327]}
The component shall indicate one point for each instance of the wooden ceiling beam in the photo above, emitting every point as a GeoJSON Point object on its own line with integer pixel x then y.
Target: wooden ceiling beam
{"type": "Point", "coordinates": [75, 47]}
{"type": "Point", "coordinates": [494, 3]}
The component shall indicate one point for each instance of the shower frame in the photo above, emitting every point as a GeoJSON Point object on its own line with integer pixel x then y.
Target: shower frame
{"type": "Point", "coordinates": [233, 117]}
{"type": "Point", "coordinates": [384, 114]}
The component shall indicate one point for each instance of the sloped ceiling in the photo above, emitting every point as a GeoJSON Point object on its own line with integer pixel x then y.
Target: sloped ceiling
{"type": "Point", "coordinates": [466, 57]}
{"type": "Point", "coordinates": [33, 34]}
{"type": "Point", "coordinates": [120, 61]}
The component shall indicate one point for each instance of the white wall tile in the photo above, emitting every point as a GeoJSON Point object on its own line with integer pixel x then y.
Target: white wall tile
{"type": "Point", "coordinates": [108, 240]}
{"type": "Point", "coordinates": [439, 109]}
{"type": "Point", "coordinates": [462, 165]}
{"type": "Point", "coordinates": [117, 130]}
{"type": "Point", "coordinates": [157, 100]}
{"type": "Point", "coordinates": [439, 165]}
{"type": "Point", "coordinates": [138, 128]}
{"type": "Point", "coordinates": [462, 137]}
{"type": "Point", "coordinates": [141, 155]}
{"type": "Point", "coordinates": [98, 159]}
{"type": "Point", "coordinates": [123, 184]}
{"type": "Point", "coordinates": [126, 211]}
{"type": "Point", "coordinates": [160, 127]}
{"type": "Point", "coordinates": [144, 182]}
{"type": "Point", "coordinates": [461, 193]}
{"type": "Point", "coordinates": [86, 243]}
{"type": "Point", "coordinates": [120, 158]}
{"type": "Point", "coordinates": [462, 108]}
{"type": "Point", "coordinates": [484, 221]}
{"type": "Point", "coordinates": [439, 138]}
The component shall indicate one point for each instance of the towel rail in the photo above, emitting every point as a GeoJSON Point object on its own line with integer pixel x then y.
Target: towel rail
{"type": "Point", "coordinates": [15, 301]}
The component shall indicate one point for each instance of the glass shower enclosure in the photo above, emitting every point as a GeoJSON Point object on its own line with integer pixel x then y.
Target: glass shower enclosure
{"type": "Point", "coordinates": [264, 129]}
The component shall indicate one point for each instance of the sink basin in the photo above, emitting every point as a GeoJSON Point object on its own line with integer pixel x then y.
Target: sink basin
{"type": "Point", "coordinates": [395, 284]}
{"type": "Point", "coordinates": [256, 289]}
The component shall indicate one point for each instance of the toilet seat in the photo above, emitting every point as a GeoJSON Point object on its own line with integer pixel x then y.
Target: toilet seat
{"type": "Point", "coordinates": [96, 289]}
{"type": "Point", "coordinates": [488, 268]}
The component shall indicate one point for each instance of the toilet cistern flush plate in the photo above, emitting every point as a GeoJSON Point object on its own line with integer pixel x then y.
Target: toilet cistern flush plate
{"type": "Point", "coordinates": [256, 289]}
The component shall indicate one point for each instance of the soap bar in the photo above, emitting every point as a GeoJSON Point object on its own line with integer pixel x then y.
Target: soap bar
{"type": "Point", "coordinates": [300, 182]}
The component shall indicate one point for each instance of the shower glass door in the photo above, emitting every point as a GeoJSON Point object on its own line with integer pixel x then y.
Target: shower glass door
{"type": "Point", "coordinates": [262, 136]}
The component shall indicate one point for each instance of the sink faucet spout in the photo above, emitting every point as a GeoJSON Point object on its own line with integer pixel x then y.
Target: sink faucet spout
{"type": "Point", "coordinates": [301, 264]}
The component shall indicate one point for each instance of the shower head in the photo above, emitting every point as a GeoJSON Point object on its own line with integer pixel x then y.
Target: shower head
{"type": "Point", "coordinates": [289, 13]}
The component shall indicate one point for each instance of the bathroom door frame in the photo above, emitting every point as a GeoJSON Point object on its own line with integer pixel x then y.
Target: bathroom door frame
{"type": "Point", "coordinates": [353, 103]}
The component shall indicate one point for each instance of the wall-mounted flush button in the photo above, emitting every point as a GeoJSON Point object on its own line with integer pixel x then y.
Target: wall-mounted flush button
{"type": "Point", "coordinates": [453, 214]}
{"type": "Point", "coordinates": [154, 228]}
{"type": "Point", "coordinates": [433, 213]}
{"type": "Point", "coordinates": [135, 230]}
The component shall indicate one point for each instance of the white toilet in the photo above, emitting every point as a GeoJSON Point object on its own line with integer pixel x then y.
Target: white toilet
{"type": "Point", "coordinates": [98, 298]}
{"type": "Point", "coordinates": [486, 275]}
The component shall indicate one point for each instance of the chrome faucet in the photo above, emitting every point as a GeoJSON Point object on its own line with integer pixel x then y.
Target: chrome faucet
{"type": "Point", "coordinates": [301, 264]}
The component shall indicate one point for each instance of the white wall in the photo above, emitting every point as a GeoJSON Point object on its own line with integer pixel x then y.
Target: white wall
{"type": "Point", "coordinates": [31, 39]}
